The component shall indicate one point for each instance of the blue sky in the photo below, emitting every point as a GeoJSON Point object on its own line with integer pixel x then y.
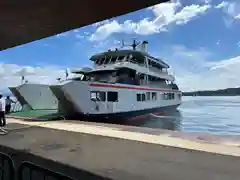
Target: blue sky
{"type": "Point", "coordinates": [199, 39]}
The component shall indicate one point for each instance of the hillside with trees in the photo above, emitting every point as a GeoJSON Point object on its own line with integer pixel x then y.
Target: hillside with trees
{"type": "Point", "coordinates": [220, 92]}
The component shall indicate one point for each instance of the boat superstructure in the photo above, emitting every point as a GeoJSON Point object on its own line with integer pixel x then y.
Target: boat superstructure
{"type": "Point", "coordinates": [123, 84]}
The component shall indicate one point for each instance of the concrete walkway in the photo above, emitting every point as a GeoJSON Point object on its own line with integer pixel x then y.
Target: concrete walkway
{"type": "Point", "coordinates": [122, 152]}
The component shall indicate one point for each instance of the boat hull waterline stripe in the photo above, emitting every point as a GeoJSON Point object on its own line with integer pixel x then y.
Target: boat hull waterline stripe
{"type": "Point", "coordinates": [130, 88]}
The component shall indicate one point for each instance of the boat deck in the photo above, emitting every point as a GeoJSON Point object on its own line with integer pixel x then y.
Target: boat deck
{"type": "Point", "coordinates": [124, 152]}
{"type": "Point", "coordinates": [42, 114]}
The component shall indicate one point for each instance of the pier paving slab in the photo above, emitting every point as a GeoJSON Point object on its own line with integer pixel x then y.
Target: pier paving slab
{"type": "Point", "coordinates": [117, 158]}
{"type": "Point", "coordinates": [228, 145]}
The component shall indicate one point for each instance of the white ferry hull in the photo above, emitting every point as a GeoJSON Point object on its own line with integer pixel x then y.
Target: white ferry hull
{"type": "Point", "coordinates": [35, 96]}
{"type": "Point", "coordinates": [20, 99]}
{"type": "Point", "coordinates": [132, 115]}
{"type": "Point", "coordinates": [76, 101]}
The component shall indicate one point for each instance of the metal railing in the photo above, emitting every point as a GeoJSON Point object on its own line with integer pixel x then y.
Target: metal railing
{"type": "Point", "coordinates": [154, 69]}
{"type": "Point", "coordinates": [13, 166]}
{"type": "Point", "coordinates": [16, 107]}
{"type": "Point", "coordinates": [26, 171]}
{"type": "Point", "coordinates": [6, 167]}
{"type": "Point", "coordinates": [30, 171]}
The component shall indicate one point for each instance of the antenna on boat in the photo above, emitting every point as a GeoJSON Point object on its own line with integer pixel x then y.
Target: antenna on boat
{"type": "Point", "coordinates": [122, 44]}
{"type": "Point", "coordinates": [66, 73]}
{"type": "Point", "coordinates": [23, 73]}
{"type": "Point", "coordinates": [22, 79]}
{"type": "Point", "coordinates": [133, 45]}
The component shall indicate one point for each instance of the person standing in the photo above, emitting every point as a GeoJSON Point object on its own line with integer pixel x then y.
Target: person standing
{"type": "Point", "coordinates": [8, 104]}
{"type": "Point", "coordinates": [2, 111]}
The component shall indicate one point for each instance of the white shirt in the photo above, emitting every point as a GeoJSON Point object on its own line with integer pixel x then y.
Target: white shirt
{"type": "Point", "coordinates": [2, 104]}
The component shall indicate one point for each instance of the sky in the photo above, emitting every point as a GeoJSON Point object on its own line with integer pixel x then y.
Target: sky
{"type": "Point", "coordinates": [199, 39]}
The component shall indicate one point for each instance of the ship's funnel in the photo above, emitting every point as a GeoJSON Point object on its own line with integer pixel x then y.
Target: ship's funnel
{"type": "Point", "coordinates": [144, 46]}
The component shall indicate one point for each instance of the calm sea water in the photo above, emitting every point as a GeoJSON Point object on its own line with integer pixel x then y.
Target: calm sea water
{"type": "Point", "coordinates": [217, 115]}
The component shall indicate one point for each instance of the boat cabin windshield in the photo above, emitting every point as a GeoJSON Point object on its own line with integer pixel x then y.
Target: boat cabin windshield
{"type": "Point", "coordinates": [123, 76]}
{"type": "Point", "coordinates": [100, 76]}
{"type": "Point", "coordinates": [115, 59]}
{"type": "Point", "coordinates": [135, 57]}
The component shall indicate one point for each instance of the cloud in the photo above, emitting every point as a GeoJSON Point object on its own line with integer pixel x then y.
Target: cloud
{"type": "Point", "coordinates": [238, 44]}
{"type": "Point", "coordinates": [10, 75]}
{"type": "Point", "coordinates": [79, 36]}
{"type": "Point", "coordinates": [221, 5]}
{"type": "Point", "coordinates": [196, 69]}
{"type": "Point", "coordinates": [231, 11]}
{"type": "Point", "coordinates": [76, 30]}
{"type": "Point", "coordinates": [106, 30]}
{"type": "Point", "coordinates": [164, 15]}
{"type": "Point", "coordinates": [46, 44]}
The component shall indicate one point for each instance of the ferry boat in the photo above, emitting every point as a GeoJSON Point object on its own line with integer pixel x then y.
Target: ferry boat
{"type": "Point", "coordinates": [124, 84]}
{"type": "Point", "coordinates": [38, 96]}
{"type": "Point", "coordinates": [33, 96]}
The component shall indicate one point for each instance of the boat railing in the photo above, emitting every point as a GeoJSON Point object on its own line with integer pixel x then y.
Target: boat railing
{"type": "Point", "coordinates": [156, 70]}
{"type": "Point", "coordinates": [129, 61]}
{"type": "Point", "coordinates": [16, 107]}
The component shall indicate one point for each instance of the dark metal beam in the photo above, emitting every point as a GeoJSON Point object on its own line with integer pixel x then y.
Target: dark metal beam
{"type": "Point", "coordinates": [29, 20]}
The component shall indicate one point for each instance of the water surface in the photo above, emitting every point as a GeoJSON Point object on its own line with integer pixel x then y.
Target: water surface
{"type": "Point", "coordinates": [218, 115]}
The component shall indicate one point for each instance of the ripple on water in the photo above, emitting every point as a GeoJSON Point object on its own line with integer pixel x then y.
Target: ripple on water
{"type": "Point", "coordinates": [218, 115]}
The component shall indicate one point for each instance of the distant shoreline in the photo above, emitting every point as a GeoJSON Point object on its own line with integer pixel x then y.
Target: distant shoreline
{"type": "Point", "coordinates": [210, 95]}
{"type": "Point", "coordinates": [220, 92]}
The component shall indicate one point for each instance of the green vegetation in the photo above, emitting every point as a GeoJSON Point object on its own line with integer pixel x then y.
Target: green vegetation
{"type": "Point", "coordinates": [220, 92]}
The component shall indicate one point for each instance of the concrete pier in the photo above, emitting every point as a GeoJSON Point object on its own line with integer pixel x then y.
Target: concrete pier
{"type": "Point", "coordinates": [107, 151]}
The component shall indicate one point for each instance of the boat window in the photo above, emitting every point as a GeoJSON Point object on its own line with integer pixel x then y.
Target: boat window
{"type": "Point", "coordinates": [100, 61]}
{"type": "Point", "coordinates": [179, 96]}
{"type": "Point", "coordinates": [169, 96]}
{"type": "Point", "coordinates": [141, 76]}
{"type": "Point", "coordinates": [154, 64]}
{"type": "Point", "coordinates": [98, 96]}
{"type": "Point", "coordinates": [161, 95]}
{"type": "Point", "coordinates": [97, 61]}
{"type": "Point", "coordinates": [154, 96]}
{"type": "Point", "coordinates": [107, 60]}
{"type": "Point", "coordinates": [113, 60]}
{"type": "Point", "coordinates": [149, 62]}
{"type": "Point", "coordinates": [164, 96]}
{"type": "Point", "coordinates": [121, 58]}
{"type": "Point", "coordinates": [139, 97]}
{"type": "Point", "coordinates": [112, 96]}
{"type": "Point", "coordinates": [132, 58]}
{"type": "Point", "coordinates": [144, 97]}
{"type": "Point", "coordinates": [148, 96]}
